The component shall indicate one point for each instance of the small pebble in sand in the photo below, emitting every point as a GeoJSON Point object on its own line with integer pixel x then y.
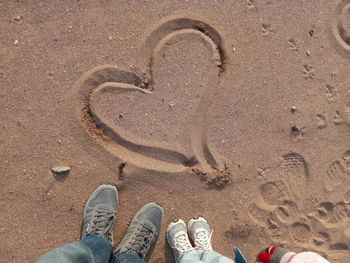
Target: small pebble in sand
{"type": "Point", "coordinates": [293, 109]}
{"type": "Point", "coordinates": [70, 27]}
{"type": "Point", "coordinates": [16, 42]}
{"type": "Point", "coordinates": [110, 38]}
{"type": "Point", "coordinates": [296, 131]}
{"type": "Point", "coordinates": [17, 18]}
{"type": "Point", "coordinates": [60, 170]}
{"type": "Point", "coordinates": [311, 32]}
{"type": "Point", "coordinates": [308, 53]}
{"type": "Point", "coordinates": [171, 105]}
{"type": "Point", "coordinates": [233, 48]}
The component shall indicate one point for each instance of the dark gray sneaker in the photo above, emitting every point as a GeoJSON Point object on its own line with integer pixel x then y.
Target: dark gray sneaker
{"type": "Point", "coordinates": [143, 230]}
{"type": "Point", "coordinates": [99, 212]}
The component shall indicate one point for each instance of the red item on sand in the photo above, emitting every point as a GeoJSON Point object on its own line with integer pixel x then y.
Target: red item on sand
{"type": "Point", "coordinates": [264, 257]}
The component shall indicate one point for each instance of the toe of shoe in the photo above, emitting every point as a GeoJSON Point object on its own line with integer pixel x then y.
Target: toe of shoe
{"type": "Point", "coordinates": [105, 194]}
{"type": "Point", "coordinates": [151, 212]}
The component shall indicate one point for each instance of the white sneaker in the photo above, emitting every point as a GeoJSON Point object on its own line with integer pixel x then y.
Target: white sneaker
{"type": "Point", "coordinates": [178, 239]}
{"type": "Point", "coordinates": [200, 232]}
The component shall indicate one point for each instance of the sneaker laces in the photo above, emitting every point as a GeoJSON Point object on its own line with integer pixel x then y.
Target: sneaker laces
{"type": "Point", "coordinates": [182, 244]}
{"type": "Point", "coordinates": [203, 240]}
{"type": "Point", "coordinates": [141, 239]}
{"type": "Point", "coordinates": [101, 222]}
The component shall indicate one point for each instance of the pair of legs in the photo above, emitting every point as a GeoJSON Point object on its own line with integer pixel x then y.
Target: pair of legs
{"type": "Point", "coordinates": [198, 229]}
{"type": "Point", "coordinates": [96, 244]}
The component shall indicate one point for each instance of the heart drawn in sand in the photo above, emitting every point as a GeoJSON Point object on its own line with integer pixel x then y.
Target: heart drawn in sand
{"type": "Point", "coordinates": [157, 155]}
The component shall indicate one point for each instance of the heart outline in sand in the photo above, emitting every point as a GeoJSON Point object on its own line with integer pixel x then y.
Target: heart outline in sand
{"type": "Point", "coordinates": [107, 78]}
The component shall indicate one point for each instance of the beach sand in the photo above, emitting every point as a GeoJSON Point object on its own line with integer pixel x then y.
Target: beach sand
{"type": "Point", "coordinates": [238, 111]}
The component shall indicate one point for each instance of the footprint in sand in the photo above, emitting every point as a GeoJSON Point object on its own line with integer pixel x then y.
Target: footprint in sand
{"type": "Point", "coordinates": [281, 212]}
{"type": "Point", "coordinates": [282, 192]}
{"type": "Point", "coordinates": [287, 212]}
{"type": "Point", "coordinates": [268, 217]}
{"type": "Point", "coordinates": [330, 226]}
{"type": "Point", "coordinates": [274, 193]}
{"type": "Point", "coordinates": [337, 120]}
{"type": "Point", "coordinates": [333, 214]}
{"type": "Point", "coordinates": [267, 29]}
{"type": "Point", "coordinates": [308, 72]}
{"type": "Point", "coordinates": [331, 93]}
{"type": "Point", "coordinates": [295, 173]}
{"type": "Point", "coordinates": [133, 88]}
{"type": "Point", "coordinates": [321, 121]}
{"type": "Point", "coordinates": [338, 173]}
{"type": "Point", "coordinates": [292, 44]}
{"type": "Point", "coordinates": [259, 212]}
{"type": "Point", "coordinates": [320, 239]}
{"type": "Point", "coordinates": [275, 208]}
{"type": "Point", "coordinates": [300, 232]}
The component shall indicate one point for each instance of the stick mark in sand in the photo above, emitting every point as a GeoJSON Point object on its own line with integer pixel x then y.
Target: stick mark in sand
{"type": "Point", "coordinates": [340, 28]}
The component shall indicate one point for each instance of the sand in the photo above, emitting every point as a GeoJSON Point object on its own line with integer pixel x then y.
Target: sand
{"type": "Point", "coordinates": [238, 111]}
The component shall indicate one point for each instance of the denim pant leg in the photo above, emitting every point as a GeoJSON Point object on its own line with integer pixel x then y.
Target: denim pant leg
{"type": "Point", "coordinates": [91, 249]}
{"type": "Point", "coordinates": [190, 257]}
{"type": "Point", "coordinates": [127, 257]}
{"type": "Point", "coordinates": [214, 257]}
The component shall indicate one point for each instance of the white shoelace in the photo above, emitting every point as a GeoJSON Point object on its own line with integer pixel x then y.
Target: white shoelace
{"type": "Point", "coordinates": [203, 240]}
{"type": "Point", "coordinates": [182, 244]}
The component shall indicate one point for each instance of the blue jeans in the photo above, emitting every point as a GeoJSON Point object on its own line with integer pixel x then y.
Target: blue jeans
{"type": "Point", "coordinates": [207, 257]}
{"type": "Point", "coordinates": [91, 249]}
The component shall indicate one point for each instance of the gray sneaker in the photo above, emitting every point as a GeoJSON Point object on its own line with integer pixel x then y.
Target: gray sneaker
{"type": "Point", "coordinates": [178, 239]}
{"type": "Point", "coordinates": [143, 230]}
{"type": "Point", "coordinates": [99, 212]}
{"type": "Point", "coordinates": [200, 232]}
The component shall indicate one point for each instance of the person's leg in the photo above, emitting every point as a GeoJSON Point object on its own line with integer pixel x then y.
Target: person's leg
{"type": "Point", "coordinates": [200, 232]}
{"type": "Point", "coordinates": [190, 257]}
{"type": "Point", "coordinates": [214, 257]}
{"type": "Point", "coordinates": [90, 249]}
{"type": "Point", "coordinates": [96, 237]}
{"type": "Point", "coordinates": [141, 235]}
{"type": "Point", "coordinates": [127, 257]}
{"type": "Point", "coordinates": [178, 240]}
